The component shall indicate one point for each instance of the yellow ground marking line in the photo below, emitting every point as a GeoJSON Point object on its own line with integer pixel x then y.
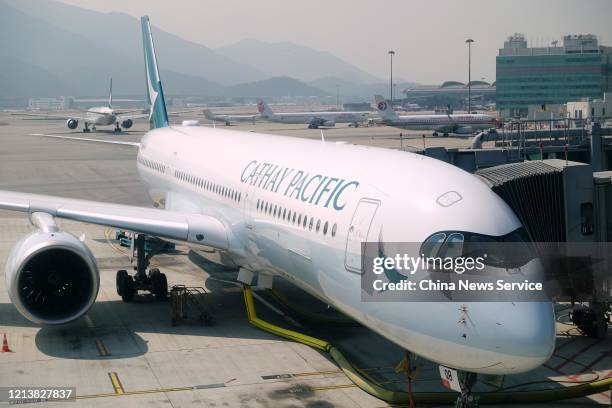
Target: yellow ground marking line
{"type": "Point", "coordinates": [102, 349]}
{"type": "Point", "coordinates": [333, 387]}
{"type": "Point", "coordinates": [116, 383]}
{"type": "Point", "coordinates": [126, 393]}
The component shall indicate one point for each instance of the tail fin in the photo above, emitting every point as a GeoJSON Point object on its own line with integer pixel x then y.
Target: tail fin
{"type": "Point", "coordinates": [384, 108]}
{"type": "Point", "coordinates": [264, 109]}
{"type": "Point", "coordinates": [158, 116]}
{"type": "Point", "coordinates": [208, 114]}
{"type": "Point", "coordinates": [110, 94]}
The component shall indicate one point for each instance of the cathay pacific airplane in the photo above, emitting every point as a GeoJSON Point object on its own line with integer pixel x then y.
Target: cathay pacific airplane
{"type": "Point", "coordinates": [462, 124]}
{"type": "Point", "coordinates": [294, 208]}
{"type": "Point", "coordinates": [98, 116]}
{"type": "Point", "coordinates": [314, 120]}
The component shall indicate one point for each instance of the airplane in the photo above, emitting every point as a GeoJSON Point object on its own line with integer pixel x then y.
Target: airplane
{"type": "Point", "coordinates": [98, 116]}
{"type": "Point", "coordinates": [281, 206]}
{"type": "Point", "coordinates": [229, 119]}
{"type": "Point", "coordinates": [314, 120]}
{"type": "Point", "coordinates": [461, 124]}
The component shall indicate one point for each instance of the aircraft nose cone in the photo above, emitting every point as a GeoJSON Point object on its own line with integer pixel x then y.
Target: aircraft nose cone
{"type": "Point", "coordinates": [526, 335]}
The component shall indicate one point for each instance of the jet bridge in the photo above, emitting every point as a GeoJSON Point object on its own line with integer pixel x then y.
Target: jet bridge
{"type": "Point", "coordinates": [565, 206]}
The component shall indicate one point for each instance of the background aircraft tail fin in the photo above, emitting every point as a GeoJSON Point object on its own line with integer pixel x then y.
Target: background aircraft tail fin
{"type": "Point", "coordinates": [208, 114]}
{"type": "Point", "coordinates": [384, 108]}
{"type": "Point", "coordinates": [158, 116]}
{"type": "Point", "coordinates": [264, 109]}
{"type": "Point", "coordinates": [110, 94]}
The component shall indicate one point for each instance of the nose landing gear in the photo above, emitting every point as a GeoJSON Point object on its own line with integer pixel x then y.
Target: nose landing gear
{"type": "Point", "coordinates": [152, 281]}
{"type": "Point", "coordinates": [466, 382]}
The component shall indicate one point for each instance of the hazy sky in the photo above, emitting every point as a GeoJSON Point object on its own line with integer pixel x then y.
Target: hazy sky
{"type": "Point", "coordinates": [428, 37]}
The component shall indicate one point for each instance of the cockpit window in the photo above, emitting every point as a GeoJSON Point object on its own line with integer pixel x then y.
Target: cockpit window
{"type": "Point", "coordinates": [453, 246]}
{"type": "Point", "coordinates": [432, 245]}
{"type": "Point", "coordinates": [509, 251]}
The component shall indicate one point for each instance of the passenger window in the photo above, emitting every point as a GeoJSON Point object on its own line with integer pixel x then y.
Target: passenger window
{"type": "Point", "coordinates": [318, 225]}
{"type": "Point", "coordinates": [284, 213]}
{"type": "Point", "coordinates": [325, 228]}
{"type": "Point", "coordinates": [334, 229]}
{"type": "Point", "coordinates": [310, 224]}
{"type": "Point", "coordinates": [293, 218]}
{"type": "Point", "coordinates": [300, 219]}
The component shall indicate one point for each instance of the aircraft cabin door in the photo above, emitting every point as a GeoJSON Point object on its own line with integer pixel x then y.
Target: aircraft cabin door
{"type": "Point", "coordinates": [358, 232]}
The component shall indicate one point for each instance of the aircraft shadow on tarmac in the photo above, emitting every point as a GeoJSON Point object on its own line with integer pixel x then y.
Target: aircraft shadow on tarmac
{"type": "Point", "coordinates": [122, 328]}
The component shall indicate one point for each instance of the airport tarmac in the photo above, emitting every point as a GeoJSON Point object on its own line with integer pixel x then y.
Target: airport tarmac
{"type": "Point", "coordinates": [126, 355]}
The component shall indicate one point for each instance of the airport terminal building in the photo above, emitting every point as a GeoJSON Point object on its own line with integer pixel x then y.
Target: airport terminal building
{"type": "Point", "coordinates": [575, 69]}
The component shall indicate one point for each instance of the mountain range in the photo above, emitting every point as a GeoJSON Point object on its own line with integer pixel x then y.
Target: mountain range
{"type": "Point", "coordinates": [49, 48]}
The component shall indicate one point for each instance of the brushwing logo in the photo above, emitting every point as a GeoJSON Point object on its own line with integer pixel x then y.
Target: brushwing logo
{"type": "Point", "coordinates": [152, 93]}
{"type": "Point", "coordinates": [260, 106]}
{"type": "Point", "coordinates": [382, 105]}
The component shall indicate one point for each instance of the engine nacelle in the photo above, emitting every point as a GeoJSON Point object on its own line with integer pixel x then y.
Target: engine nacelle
{"type": "Point", "coordinates": [126, 124]}
{"type": "Point", "coordinates": [329, 123]}
{"type": "Point", "coordinates": [52, 277]}
{"type": "Point", "coordinates": [464, 130]}
{"type": "Point", "coordinates": [72, 123]}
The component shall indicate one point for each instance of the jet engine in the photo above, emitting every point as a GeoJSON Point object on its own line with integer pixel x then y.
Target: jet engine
{"type": "Point", "coordinates": [126, 124]}
{"type": "Point", "coordinates": [51, 277]}
{"type": "Point", "coordinates": [464, 130]}
{"type": "Point", "coordinates": [329, 123]}
{"type": "Point", "coordinates": [72, 123]}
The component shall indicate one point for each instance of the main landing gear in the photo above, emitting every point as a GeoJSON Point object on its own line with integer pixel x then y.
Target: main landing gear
{"type": "Point", "coordinates": [86, 128]}
{"type": "Point", "coordinates": [152, 281]}
{"type": "Point", "coordinates": [117, 128]}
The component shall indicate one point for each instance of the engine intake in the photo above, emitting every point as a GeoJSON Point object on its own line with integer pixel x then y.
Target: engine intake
{"type": "Point", "coordinates": [52, 277]}
{"type": "Point", "coordinates": [126, 124]}
{"type": "Point", "coordinates": [72, 123]}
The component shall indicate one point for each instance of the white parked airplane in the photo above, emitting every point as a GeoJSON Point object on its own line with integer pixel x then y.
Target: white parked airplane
{"type": "Point", "coordinates": [314, 120]}
{"type": "Point", "coordinates": [229, 119]}
{"type": "Point", "coordinates": [462, 124]}
{"type": "Point", "coordinates": [290, 207]}
{"type": "Point", "coordinates": [98, 116]}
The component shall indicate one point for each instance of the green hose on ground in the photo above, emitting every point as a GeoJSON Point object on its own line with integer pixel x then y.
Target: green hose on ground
{"type": "Point", "coordinates": [400, 397]}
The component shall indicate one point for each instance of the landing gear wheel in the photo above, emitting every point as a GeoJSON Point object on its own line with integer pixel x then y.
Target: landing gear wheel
{"type": "Point", "coordinates": [129, 289]}
{"type": "Point", "coordinates": [159, 284]}
{"type": "Point", "coordinates": [120, 281]}
{"type": "Point", "coordinates": [434, 134]}
{"type": "Point", "coordinates": [466, 382]}
{"type": "Point", "coordinates": [445, 135]}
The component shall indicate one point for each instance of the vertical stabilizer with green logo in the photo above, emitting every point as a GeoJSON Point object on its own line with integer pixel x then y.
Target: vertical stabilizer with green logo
{"type": "Point", "coordinates": [158, 117]}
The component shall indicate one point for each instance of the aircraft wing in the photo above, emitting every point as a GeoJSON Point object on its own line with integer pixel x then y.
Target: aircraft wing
{"type": "Point", "coordinates": [187, 227]}
{"type": "Point", "coordinates": [125, 115]}
{"type": "Point", "coordinates": [47, 116]}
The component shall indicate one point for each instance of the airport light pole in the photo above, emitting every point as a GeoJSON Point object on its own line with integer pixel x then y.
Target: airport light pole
{"type": "Point", "coordinates": [469, 42]}
{"type": "Point", "coordinates": [337, 97]}
{"type": "Point", "coordinates": [391, 53]}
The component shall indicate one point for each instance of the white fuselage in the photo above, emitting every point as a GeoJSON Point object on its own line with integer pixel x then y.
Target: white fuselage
{"type": "Point", "coordinates": [290, 205]}
{"type": "Point", "coordinates": [310, 117]}
{"type": "Point", "coordinates": [442, 122]}
{"type": "Point", "coordinates": [102, 116]}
